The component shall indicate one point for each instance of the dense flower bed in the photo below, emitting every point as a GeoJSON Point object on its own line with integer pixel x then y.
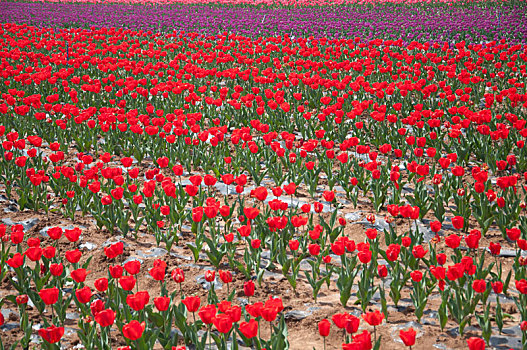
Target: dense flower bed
{"type": "Point", "coordinates": [201, 182]}
{"type": "Point", "coordinates": [436, 22]}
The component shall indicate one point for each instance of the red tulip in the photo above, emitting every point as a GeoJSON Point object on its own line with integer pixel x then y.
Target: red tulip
{"type": "Point", "coordinates": [408, 337]}
{"type": "Point", "coordinates": [324, 327]}
{"type": "Point", "coordinates": [49, 296]}
{"type": "Point", "coordinates": [249, 329]}
{"type": "Point", "coordinates": [133, 330]}
{"type": "Point", "coordinates": [458, 222]}
{"type": "Point", "coordinates": [494, 248]}
{"type": "Point", "coordinates": [521, 286]}
{"type": "Point", "coordinates": [234, 312]}
{"type": "Point", "coordinates": [371, 233]}
{"type": "Point", "coordinates": [392, 252]}
{"type": "Point", "coordinates": [453, 241]}
{"type": "Point", "coordinates": [255, 243]}
{"type": "Point", "coordinates": [479, 286]}
{"type": "Point", "coordinates": [96, 307]}
{"type": "Point", "coordinates": [475, 343]}
{"type": "Point", "coordinates": [178, 275]}
{"type": "Point", "coordinates": [127, 282]}
{"type": "Point", "coordinates": [22, 299]}
{"type": "Point", "coordinates": [416, 276]}
{"type": "Point", "coordinates": [269, 313]}
{"type": "Point", "coordinates": [513, 234]}
{"type": "Point", "coordinates": [79, 275]}
{"type": "Point", "coordinates": [162, 303]}
{"type": "Point", "coordinates": [382, 271]}
{"type": "Point", "coordinates": [55, 233]}
{"type": "Point", "coordinates": [49, 252]}
{"type": "Point", "coordinates": [419, 252]}
{"type": "Point", "coordinates": [16, 261]}
{"type": "Point", "coordinates": [225, 276]}
{"type": "Point", "coordinates": [248, 288]}
{"type": "Point", "coordinates": [497, 287]}
{"type": "Point", "coordinates": [73, 256]}
{"type": "Point", "coordinates": [251, 213]}
{"type": "Point", "coordinates": [101, 284]}
{"type": "Point", "coordinates": [105, 318]}
{"type": "Point", "coordinates": [138, 300]}
{"type": "Point", "coordinates": [373, 318]}
{"type": "Point", "coordinates": [223, 323]}
{"type": "Point", "coordinates": [352, 324]}
{"type": "Point", "coordinates": [158, 273]}
{"type": "Point", "coordinates": [116, 271]}
{"type": "Point", "coordinates": [314, 249]}
{"type": "Point", "coordinates": [210, 275]}
{"type": "Point", "coordinates": [364, 256]}
{"type": "Point", "coordinates": [114, 250]}
{"type": "Point", "coordinates": [191, 303]}
{"type": "Point", "coordinates": [363, 340]}
{"type": "Point", "coordinates": [133, 267]}
{"type": "Point", "coordinates": [207, 313]}
{"type": "Point", "coordinates": [329, 196]}
{"type": "Point", "coordinates": [472, 241]}
{"type": "Point", "coordinates": [51, 334]}
{"type": "Point", "coordinates": [83, 294]}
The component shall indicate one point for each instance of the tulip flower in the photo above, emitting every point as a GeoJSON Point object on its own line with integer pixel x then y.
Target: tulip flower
{"type": "Point", "coordinates": [249, 329]}
{"type": "Point", "coordinates": [373, 319]}
{"type": "Point", "coordinates": [323, 329]}
{"type": "Point", "coordinates": [408, 337]}
{"type": "Point", "coordinates": [133, 330]}
{"type": "Point", "coordinates": [105, 318]}
{"type": "Point", "coordinates": [475, 343]}
{"type": "Point", "coordinates": [51, 334]}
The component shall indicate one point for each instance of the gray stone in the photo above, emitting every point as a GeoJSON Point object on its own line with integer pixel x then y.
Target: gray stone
{"type": "Point", "coordinates": [455, 330]}
{"type": "Point", "coordinates": [9, 326]}
{"type": "Point", "coordinates": [152, 253]}
{"type": "Point", "coordinates": [88, 246]}
{"type": "Point", "coordinates": [243, 301]}
{"type": "Point", "coordinates": [179, 256]}
{"type": "Point", "coordinates": [224, 189]}
{"type": "Point", "coordinates": [505, 342]}
{"type": "Point", "coordinates": [297, 315]}
{"type": "Point", "coordinates": [11, 208]}
{"type": "Point", "coordinates": [269, 274]}
{"type": "Point", "coordinates": [407, 189]}
{"type": "Point", "coordinates": [26, 224]}
{"type": "Point", "coordinates": [197, 266]}
{"type": "Point", "coordinates": [72, 316]}
{"type": "Point", "coordinates": [441, 346]}
{"type": "Point", "coordinates": [503, 299]}
{"type": "Point", "coordinates": [429, 321]}
{"type": "Point", "coordinates": [513, 331]}
{"type": "Point", "coordinates": [68, 331]}
{"type": "Point", "coordinates": [355, 216]}
{"type": "Point", "coordinates": [418, 225]}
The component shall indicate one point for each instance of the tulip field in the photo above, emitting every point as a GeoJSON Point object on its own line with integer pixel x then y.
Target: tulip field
{"type": "Point", "coordinates": [257, 174]}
